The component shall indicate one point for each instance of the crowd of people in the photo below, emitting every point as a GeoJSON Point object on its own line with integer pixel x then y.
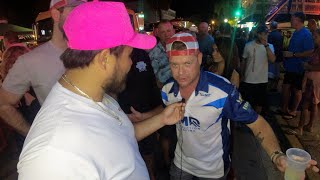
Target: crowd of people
{"type": "Point", "coordinates": [104, 102]}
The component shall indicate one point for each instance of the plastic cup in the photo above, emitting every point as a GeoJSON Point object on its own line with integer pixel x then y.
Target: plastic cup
{"type": "Point", "coordinates": [297, 161]}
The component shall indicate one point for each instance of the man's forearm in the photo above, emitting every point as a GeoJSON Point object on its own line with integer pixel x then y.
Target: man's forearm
{"type": "Point", "coordinates": [265, 135]}
{"type": "Point", "coordinates": [270, 55]}
{"type": "Point", "coordinates": [14, 118]}
{"type": "Point", "coordinates": [153, 112]}
{"type": "Point", "coordinates": [145, 128]}
{"type": "Point", "coordinates": [304, 54]}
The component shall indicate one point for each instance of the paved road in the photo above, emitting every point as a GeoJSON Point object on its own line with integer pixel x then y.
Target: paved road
{"type": "Point", "coordinates": [250, 161]}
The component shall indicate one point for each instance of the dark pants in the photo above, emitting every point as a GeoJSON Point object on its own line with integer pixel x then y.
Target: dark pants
{"type": "Point", "coordinates": [178, 174]}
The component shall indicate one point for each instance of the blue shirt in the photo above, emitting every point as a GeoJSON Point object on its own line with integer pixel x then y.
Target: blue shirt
{"type": "Point", "coordinates": [204, 131]}
{"type": "Point", "coordinates": [205, 46]}
{"type": "Point", "coordinates": [301, 41]}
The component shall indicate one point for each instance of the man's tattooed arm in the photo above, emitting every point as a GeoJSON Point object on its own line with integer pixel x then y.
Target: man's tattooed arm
{"type": "Point", "coordinates": [259, 137]}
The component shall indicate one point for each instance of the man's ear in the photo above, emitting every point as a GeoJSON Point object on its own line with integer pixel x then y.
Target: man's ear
{"type": "Point", "coordinates": [199, 57]}
{"type": "Point", "coordinates": [55, 14]}
{"type": "Point", "coordinates": [103, 58]}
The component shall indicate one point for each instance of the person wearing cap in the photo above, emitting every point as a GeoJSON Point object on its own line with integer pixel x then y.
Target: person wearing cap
{"type": "Point", "coordinates": [203, 134]}
{"type": "Point", "coordinates": [256, 56]}
{"type": "Point", "coordinates": [300, 49]}
{"type": "Point", "coordinates": [40, 68]}
{"type": "Point", "coordinates": [80, 131]}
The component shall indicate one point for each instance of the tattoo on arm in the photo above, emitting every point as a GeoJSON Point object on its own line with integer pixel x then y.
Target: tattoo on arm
{"type": "Point", "coordinates": [259, 137]}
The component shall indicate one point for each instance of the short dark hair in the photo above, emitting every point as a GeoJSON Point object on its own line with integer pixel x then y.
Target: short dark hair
{"type": "Point", "coordinates": [178, 45]}
{"type": "Point", "coordinates": [273, 25]}
{"type": "Point", "coordinates": [300, 15]}
{"type": "Point", "coordinates": [82, 58]}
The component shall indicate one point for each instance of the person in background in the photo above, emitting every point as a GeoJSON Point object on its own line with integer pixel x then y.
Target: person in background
{"type": "Point", "coordinates": [299, 51]}
{"type": "Point", "coordinates": [142, 94]}
{"type": "Point", "coordinates": [240, 41]}
{"type": "Point", "coordinates": [28, 106]}
{"type": "Point", "coordinates": [40, 68]}
{"type": "Point", "coordinates": [161, 69]}
{"type": "Point", "coordinates": [205, 41]}
{"type": "Point", "coordinates": [256, 56]}
{"type": "Point", "coordinates": [227, 48]}
{"type": "Point", "coordinates": [312, 25]}
{"type": "Point", "coordinates": [311, 90]}
{"type": "Point", "coordinates": [13, 49]}
{"type": "Point", "coordinates": [10, 39]}
{"type": "Point", "coordinates": [158, 56]}
{"type": "Point", "coordinates": [275, 38]}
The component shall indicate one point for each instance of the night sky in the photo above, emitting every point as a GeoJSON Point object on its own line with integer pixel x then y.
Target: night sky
{"type": "Point", "coordinates": [202, 8]}
{"type": "Point", "coordinates": [24, 12]}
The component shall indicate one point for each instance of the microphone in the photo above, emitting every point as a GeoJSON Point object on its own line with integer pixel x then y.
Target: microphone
{"type": "Point", "coordinates": [183, 100]}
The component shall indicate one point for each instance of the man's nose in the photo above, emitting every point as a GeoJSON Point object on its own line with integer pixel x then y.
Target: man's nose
{"type": "Point", "coordinates": [181, 70]}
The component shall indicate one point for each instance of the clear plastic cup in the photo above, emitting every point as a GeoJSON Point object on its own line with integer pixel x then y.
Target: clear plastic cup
{"type": "Point", "coordinates": [297, 160]}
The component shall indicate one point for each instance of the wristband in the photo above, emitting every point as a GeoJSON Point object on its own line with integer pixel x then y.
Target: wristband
{"type": "Point", "coordinates": [276, 154]}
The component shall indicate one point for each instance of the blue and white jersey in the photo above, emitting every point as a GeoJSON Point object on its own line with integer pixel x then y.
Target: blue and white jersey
{"type": "Point", "coordinates": [203, 134]}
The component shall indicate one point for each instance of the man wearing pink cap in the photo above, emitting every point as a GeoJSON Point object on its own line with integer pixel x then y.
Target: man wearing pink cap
{"type": "Point", "coordinates": [40, 68]}
{"type": "Point", "coordinates": [81, 132]}
{"type": "Point", "coordinates": [203, 134]}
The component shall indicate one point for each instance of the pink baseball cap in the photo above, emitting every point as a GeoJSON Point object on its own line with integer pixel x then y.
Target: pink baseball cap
{"type": "Point", "coordinates": [185, 38]}
{"type": "Point", "coordinates": [65, 3]}
{"type": "Point", "coordinates": [102, 25]}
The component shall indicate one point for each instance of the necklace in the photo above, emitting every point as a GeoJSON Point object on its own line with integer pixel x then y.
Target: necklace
{"type": "Point", "coordinates": [107, 111]}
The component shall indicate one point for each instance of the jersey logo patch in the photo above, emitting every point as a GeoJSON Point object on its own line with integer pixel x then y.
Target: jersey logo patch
{"type": "Point", "coordinates": [204, 94]}
{"type": "Point", "coordinates": [190, 124]}
{"type": "Point", "coordinates": [141, 66]}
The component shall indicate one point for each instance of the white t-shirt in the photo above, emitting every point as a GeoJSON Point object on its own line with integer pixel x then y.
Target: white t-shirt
{"type": "Point", "coordinates": [40, 68]}
{"type": "Point", "coordinates": [256, 70]}
{"type": "Point", "coordinates": [72, 138]}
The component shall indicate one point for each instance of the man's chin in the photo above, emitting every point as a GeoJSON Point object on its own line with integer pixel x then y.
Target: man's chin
{"type": "Point", "coordinates": [183, 84]}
